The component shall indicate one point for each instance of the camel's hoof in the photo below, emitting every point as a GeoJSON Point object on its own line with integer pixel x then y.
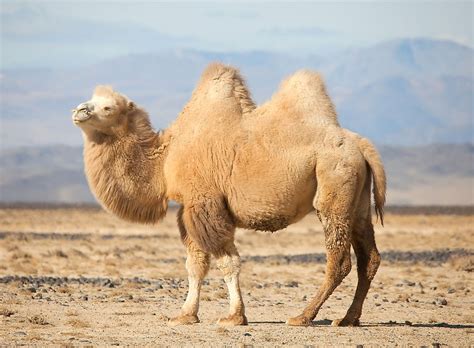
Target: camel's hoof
{"type": "Point", "coordinates": [233, 320]}
{"type": "Point", "coordinates": [183, 320]}
{"type": "Point", "coordinates": [299, 321]}
{"type": "Point", "coordinates": [346, 322]}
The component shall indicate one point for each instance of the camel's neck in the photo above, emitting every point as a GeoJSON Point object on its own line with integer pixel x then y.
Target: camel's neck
{"type": "Point", "coordinates": [126, 174]}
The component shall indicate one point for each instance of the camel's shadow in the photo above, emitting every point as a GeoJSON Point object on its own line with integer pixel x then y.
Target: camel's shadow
{"type": "Point", "coordinates": [423, 325]}
{"type": "Point", "coordinates": [327, 322]}
{"type": "Point", "coordinates": [323, 322]}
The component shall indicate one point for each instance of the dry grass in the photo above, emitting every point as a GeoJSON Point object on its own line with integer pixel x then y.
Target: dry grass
{"type": "Point", "coordinates": [462, 263]}
{"type": "Point", "coordinates": [206, 297]}
{"type": "Point", "coordinates": [56, 253]}
{"type": "Point", "coordinates": [468, 318]}
{"type": "Point", "coordinates": [20, 255]}
{"type": "Point", "coordinates": [38, 319]}
{"type": "Point", "coordinates": [65, 290]}
{"type": "Point", "coordinates": [6, 312]}
{"type": "Point", "coordinates": [78, 323]}
{"type": "Point", "coordinates": [219, 294]}
{"type": "Point", "coordinates": [222, 330]}
{"type": "Point", "coordinates": [34, 337]}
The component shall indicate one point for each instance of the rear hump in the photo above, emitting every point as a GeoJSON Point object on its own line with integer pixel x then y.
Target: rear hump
{"type": "Point", "coordinates": [306, 92]}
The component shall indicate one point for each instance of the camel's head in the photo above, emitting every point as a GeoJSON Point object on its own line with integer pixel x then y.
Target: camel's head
{"type": "Point", "coordinates": [106, 112]}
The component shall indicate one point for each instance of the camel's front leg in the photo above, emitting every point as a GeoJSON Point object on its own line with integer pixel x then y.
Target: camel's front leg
{"type": "Point", "coordinates": [229, 263]}
{"type": "Point", "coordinates": [207, 225]}
{"type": "Point", "coordinates": [197, 265]}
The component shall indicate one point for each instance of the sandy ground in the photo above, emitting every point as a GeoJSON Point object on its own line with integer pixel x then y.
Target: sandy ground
{"type": "Point", "coordinates": [82, 277]}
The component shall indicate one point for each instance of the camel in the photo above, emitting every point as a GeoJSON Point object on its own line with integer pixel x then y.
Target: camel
{"type": "Point", "coordinates": [229, 163]}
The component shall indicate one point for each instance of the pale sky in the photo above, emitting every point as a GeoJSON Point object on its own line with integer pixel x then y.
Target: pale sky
{"type": "Point", "coordinates": [289, 27]}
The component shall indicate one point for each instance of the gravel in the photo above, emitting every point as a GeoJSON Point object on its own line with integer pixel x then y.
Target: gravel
{"type": "Point", "coordinates": [432, 257]}
{"type": "Point", "coordinates": [38, 281]}
{"type": "Point", "coordinates": [440, 301]}
{"type": "Point", "coordinates": [76, 236]}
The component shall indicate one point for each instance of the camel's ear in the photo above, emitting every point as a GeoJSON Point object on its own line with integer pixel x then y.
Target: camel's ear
{"type": "Point", "coordinates": [131, 105]}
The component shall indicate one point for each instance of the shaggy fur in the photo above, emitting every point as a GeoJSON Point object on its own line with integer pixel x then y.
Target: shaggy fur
{"type": "Point", "coordinates": [123, 162]}
{"type": "Point", "coordinates": [232, 164]}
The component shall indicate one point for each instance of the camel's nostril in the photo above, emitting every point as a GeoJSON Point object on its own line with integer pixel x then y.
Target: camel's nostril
{"type": "Point", "coordinates": [85, 107]}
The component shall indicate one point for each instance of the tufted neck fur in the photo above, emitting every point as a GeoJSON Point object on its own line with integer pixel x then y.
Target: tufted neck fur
{"type": "Point", "coordinates": [125, 169]}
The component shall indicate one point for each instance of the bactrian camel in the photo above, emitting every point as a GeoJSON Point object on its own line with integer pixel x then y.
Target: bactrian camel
{"type": "Point", "coordinates": [230, 163]}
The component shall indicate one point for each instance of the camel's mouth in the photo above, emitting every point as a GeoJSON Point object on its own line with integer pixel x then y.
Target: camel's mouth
{"type": "Point", "coordinates": [81, 115]}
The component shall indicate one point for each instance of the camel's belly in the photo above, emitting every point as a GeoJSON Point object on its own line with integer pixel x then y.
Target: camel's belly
{"type": "Point", "coordinates": [271, 187]}
{"type": "Point", "coordinates": [271, 220]}
{"type": "Point", "coordinates": [273, 210]}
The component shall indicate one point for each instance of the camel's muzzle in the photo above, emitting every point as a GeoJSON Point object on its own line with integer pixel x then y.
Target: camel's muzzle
{"type": "Point", "coordinates": [82, 113]}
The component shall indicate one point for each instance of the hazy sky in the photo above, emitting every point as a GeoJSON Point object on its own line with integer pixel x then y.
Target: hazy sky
{"type": "Point", "coordinates": [364, 21]}
{"type": "Point", "coordinates": [290, 27]}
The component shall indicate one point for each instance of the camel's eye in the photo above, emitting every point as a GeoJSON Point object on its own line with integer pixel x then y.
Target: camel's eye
{"type": "Point", "coordinates": [107, 108]}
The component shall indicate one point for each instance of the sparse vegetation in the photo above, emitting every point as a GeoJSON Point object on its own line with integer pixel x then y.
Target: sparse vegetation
{"type": "Point", "coordinates": [463, 263]}
{"type": "Point", "coordinates": [6, 312]}
{"type": "Point", "coordinates": [78, 323]}
{"type": "Point", "coordinates": [38, 319]}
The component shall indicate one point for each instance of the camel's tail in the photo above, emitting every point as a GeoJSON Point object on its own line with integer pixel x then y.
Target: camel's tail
{"type": "Point", "coordinates": [372, 157]}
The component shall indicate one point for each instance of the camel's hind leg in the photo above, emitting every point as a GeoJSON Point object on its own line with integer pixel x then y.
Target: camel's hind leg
{"type": "Point", "coordinates": [338, 267]}
{"type": "Point", "coordinates": [368, 261]}
{"type": "Point", "coordinates": [197, 265]}
{"type": "Point", "coordinates": [334, 204]}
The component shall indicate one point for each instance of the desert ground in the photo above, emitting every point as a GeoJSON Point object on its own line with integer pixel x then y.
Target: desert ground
{"type": "Point", "coordinates": [77, 276]}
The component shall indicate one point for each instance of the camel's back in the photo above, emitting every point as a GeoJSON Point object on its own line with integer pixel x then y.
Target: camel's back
{"type": "Point", "coordinates": [258, 158]}
{"type": "Point", "coordinates": [205, 133]}
{"type": "Point", "coordinates": [298, 117]}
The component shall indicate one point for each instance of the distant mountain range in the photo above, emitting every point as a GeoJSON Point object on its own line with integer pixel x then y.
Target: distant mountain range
{"type": "Point", "coordinates": [429, 175]}
{"type": "Point", "coordinates": [405, 94]}
{"type": "Point", "coordinates": [402, 92]}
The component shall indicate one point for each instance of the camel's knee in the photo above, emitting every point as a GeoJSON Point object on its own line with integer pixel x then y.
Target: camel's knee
{"type": "Point", "coordinates": [339, 265]}
{"type": "Point", "coordinates": [368, 257]}
{"type": "Point", "coordinates": [373, 264]}
{"type": "Point", "coordinates": [197, 263]}
{"type": "Point", "coordinates": [338, 241]}
{"type": "Point", "coordinates": [229, 265]}
{"type": "Point", "coordinates": [346, 265]}
{"type": "Point", "coordinates": [228, 262]}
{"type": "Point", "coordinates": [337, 229]}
